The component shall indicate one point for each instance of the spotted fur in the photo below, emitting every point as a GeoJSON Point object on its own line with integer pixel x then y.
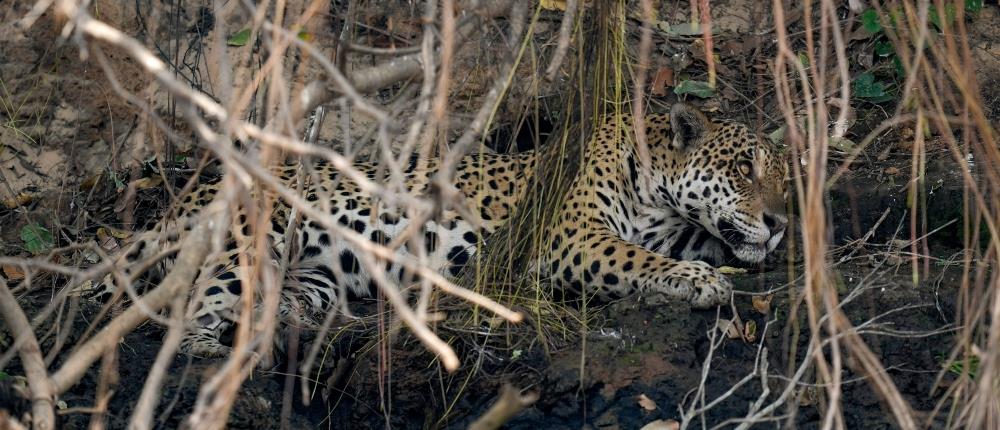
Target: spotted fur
{"type": "Point", "coordinates": [712, 191]}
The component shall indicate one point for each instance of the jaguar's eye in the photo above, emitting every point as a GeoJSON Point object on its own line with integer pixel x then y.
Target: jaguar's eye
{"type": "Point", "coordinates": [746, 168]}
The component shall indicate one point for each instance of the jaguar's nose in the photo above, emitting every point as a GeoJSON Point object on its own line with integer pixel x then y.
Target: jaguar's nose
{"type": "Point", "coordinates": [775, 223]}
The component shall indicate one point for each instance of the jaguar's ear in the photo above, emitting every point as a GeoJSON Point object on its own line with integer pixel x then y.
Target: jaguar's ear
{"type": "Point", "coordinates": [689, 126]}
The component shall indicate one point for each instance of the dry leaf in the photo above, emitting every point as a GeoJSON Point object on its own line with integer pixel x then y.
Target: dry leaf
{"type": "Point", "coordinates": [144, 183]}
{"type": "Point", "coordinates": [106, 240]}
{"type": "Point", "coordinates": [496, 322]}
{"type": "Point", "coordinates": [892, 171]}
{"type": "Point", "coordinates": [731, 328]}
{"type": "Point", "coordinates": [17, 201]}
{"type": "Point", "coordinates": [808, 396]}
{"type": "Point", "coordinates": [90, 256]}
{"type": "Point", "coordinates": [662, 82]}
{"type": "Point", "coordinates": [763, 303]}
{"type": "Point", "coordinates": [750, 331]}
{"type": "Point", "coordinates": [893, 260]}
{"type": "Point", "coordinates": [12, 273]}
{"type": "Point", "coordinates": [553, 4]}
{"type": "Point", "coordinates": [116, 233]}
{"type": "Point", "coordinates": [729, 270]}
{"type": "Point", "coordinates": [91, 181]}
{"type": "Point", "coordinates": [662, 425]}
{"type": "Point", "coordinates": [899, 243]}
{"type": "Point", "coordinates": [646, 403]}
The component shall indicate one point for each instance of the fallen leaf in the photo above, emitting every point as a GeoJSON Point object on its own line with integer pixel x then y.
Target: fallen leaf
{"type": "Point", "coordinates": [304, 35]}
{"type": "Point", "coordinates": [662, 425]}
{"type": "Point", "coordinates": [120, 234]}
{"type": "Point", "coordinates": [12, 273]}
{"type": "Point", "coordinates": [663, 80]}
{"type": "Point", "coordinates": [91, 181]}
{"type": "Point", "coordinates": [808, 396]}
{"type": "Point", "coordinates": [240, 38]}
{"type": "Point", "coordinates": [732, 328]}
{"type": "Point", "coordinates": [696, 88]}
{"type": "Point", "coordinates": [90, 256]}
{"type": "Point", "coordinates": [682, 29]}
{"type": "Point", "coordinates": [729, 270]}
{"type": "Point", "coordinates": [144, 183]}
{"type": "Point", "coordinates": [106, 241]}
{"type": "Point", "coordinates": [842, 143]}
{"type": "Point", "coordinates": [750, 331]}
{"type": "Point", "coordinates": [37, 239]}
{"type": "Point", "coordinates": [762, 303]}
{"type": "Point", "coordinates": [900, 243]}
{"type": "Point", "coordinates": [553, 4]}
{"type": "Point", "coordinates": [778, 135]}
{"type": "Point", "coordinates": [17, 201]}
{"type": "Point", "coordinates": [646, 403]}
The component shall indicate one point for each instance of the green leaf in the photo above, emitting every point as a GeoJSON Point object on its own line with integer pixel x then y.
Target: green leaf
{"type": "Point", "coordinates": [949, 15]}
{"type": "Point", "coordinates": [3, 375]}
{"type": "Point", "coordinates": [884, 48]}
{"type": "Point", "coordinates": [933, 16]}
{"type": "Point", "coordinates": [777, 136]}
{"type": "Point", "coordinates": [36, 238]}
{"type": "Point", "coordinates": [897, 64]}
{"type": "Point", "coordinates": [957, 367]}
{"type": "Point", "coordinates": [240, 38]}
{"type": "Point", "coordinates": [119, 183]}
{"type": "Point", "coordinates": [842, 143]}
{"type": "Point", "coordinates": [803, 59]}
{"type": "Point", "coordinates": [973, 6]}
{"type": "Point", "coordinates": [867, 88]}
{"type": "Point", "coordinates": [696, 88]}
{"type": "Point", "coordinates": [869, 20]}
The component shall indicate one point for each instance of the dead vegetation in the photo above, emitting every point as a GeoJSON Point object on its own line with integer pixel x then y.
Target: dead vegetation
{"type": "Point", "coordinates": [157, 93]}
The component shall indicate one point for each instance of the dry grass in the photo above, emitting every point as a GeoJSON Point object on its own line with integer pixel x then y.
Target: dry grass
{"type": "Point", "coordinates": [270, 93]}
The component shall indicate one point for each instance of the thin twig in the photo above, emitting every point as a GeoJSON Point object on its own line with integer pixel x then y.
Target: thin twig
{"type": "Point", "coordinates": [565, 33]}
{"type": "Point", "coordinates": [187, 265]}
{"type": "Point", "coordinates": [510, 403]}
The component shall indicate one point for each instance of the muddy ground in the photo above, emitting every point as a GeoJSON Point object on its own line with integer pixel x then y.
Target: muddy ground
{"type": "Point", "coordinates": [631, 350]}
{"type": "Point", "coordinates": [588, 376]}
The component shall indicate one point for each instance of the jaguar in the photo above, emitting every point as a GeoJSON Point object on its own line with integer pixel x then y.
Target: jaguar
{"type": "Point", "coordinates": [705, 192]}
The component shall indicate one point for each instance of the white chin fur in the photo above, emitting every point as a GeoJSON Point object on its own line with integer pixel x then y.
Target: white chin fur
{"type": "Point", "coordinates": [750, 253]}
{"type": "Point", "coordinates": [774, 241]}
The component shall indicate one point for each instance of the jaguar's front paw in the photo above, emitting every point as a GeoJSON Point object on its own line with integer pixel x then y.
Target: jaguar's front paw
{"type": "Point", "coordinates": [709, 286]}
{"type": "Point", "coordinates": [204, 345]}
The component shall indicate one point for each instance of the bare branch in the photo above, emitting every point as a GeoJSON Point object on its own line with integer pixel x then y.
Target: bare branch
{"type": "Point", "coordinates": [565, 34]}
{"type": "Point", "coordinates": [175, 283]}
{"type": "Point", "coordinates": [510, 403]}
{"type": "Point", "coordinates": [43, 391]}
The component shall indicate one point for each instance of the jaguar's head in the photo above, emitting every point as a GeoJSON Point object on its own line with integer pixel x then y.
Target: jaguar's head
{"type": "Point", "coordinates": [724, 177]}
